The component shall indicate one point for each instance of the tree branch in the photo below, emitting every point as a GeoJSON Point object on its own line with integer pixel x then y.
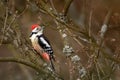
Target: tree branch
{"type": "Point", "coordinates": [40, 4]}
{"type": "Point", "coordinates": [29, 64]}
{"type": "Point", "coordinates": [103, 30]}
{"type": "Point", "coordinates": [5, 24]}
{"type": "Point", "coordinates": [66, 7]}
{"type": "Point", "coordinates": [21, 61]}
{"type": "Point", "coordinates": [107, 56]}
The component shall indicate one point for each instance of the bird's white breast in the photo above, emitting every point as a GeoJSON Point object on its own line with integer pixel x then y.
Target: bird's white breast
{"type": "Point", "coordinates": [35, 44]}
{"type": "Point", "coordinates": [34, 40]}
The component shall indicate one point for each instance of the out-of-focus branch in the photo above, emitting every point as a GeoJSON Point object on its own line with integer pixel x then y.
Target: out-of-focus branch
{"type": "Point", "coordinates": [6, 41]}
{"type": "Point", "coordinates": [40, 4]}
{"type": "Point", "coordinates": [5, 24]}
{"type": "Point", "coordinates": [103, 30]}
{"type": "Point", "coordinates": [90, 21]}
{"type": "Point", "coordinates": [15, 16]}
{"type": "Point", "coordinates": [98, 48]}
{"type": "Point", "coordinates": [21, 61]}
{"type": "Point", "coordinates": [107, 18]}
{"type": "Point", "coordinates": [110, 58]}
{"type": "Point", "coordinates": [29, 64]}
{"type": "Point", "coordinates": [51, 2]}
{"type": "Point", "coordinates": [66, 7]}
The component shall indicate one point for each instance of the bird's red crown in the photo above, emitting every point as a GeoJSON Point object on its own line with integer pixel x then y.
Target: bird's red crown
{"type": "Point", "coordinates": [34, 26]}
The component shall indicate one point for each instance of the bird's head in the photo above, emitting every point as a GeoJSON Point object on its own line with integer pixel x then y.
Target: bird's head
{"type": "Point", "coordinates": [36, 29]}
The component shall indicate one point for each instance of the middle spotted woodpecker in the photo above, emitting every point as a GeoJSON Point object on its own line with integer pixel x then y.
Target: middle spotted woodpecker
{"type": "Point", "coordinates": [40, 43]}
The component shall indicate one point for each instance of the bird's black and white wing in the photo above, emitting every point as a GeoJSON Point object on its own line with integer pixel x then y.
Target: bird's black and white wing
{"type": "Point", "coordinates": [44, 43]}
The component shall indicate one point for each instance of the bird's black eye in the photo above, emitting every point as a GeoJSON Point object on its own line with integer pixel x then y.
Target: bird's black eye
{"type": "Point", "coordinates": [37, 29]}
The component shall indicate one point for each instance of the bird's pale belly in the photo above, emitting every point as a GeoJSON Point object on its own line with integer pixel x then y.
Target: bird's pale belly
{"type": "Point", "coordinates": [35, 45]}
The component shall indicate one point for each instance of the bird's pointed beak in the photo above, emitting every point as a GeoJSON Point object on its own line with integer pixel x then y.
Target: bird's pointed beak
{"type": "Point", "coordinates": [42, 28]}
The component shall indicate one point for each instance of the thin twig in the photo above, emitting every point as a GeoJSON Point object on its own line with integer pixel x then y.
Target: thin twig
{"type": "Point", "coordinates": [102, 37]}
{"type": "Point", "coordinates": [90, 34]}
{"type": "Point", "coordinates": [46, 8]}
{"type": "Point", "coordinates": [5, 24]}
{"type": "Point", "coordinates": [11, 23]}
{"type": "Point", "coordinates": [98, 71]}
{"type": "Point", "coordinates": [74, 38]}
{"type": "Point", "coordinates": [16, 17]}
{"type": "Point", "coordinates": [51, 2]}
{"type": "Point", "coordinates": [107, 56]}
{"type": "Point", "coordinates": [66, 7]}
{"type": "Point", "coordinates": [90, 21]}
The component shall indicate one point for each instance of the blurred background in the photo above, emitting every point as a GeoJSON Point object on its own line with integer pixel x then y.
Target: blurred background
{"type": "Point", "coordinates": [88, 15]}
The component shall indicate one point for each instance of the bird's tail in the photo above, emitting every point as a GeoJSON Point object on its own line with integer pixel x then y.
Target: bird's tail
{"type": "Point", "coordinates": [52, 58]}
{"type": "Point", "coordinates": [49, 58]}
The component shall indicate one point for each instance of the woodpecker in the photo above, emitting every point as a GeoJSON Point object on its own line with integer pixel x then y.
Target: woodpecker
{"type": "Point", "coordinates": [40, 43]}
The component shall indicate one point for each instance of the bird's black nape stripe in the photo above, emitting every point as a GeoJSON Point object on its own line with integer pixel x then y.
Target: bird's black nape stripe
{"type": "Point", "coordinates": [30, 34]}
{"type": "Point", "coordinates": [33, 33]}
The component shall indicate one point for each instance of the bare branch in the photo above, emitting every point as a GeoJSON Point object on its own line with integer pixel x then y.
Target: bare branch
{"type": "Point", "coordinates": [5, 24]}
{"type": "Point", "coordinates": [104, 26]}
{"type": "Point", "coordinates": [66, 7]}
{"type": "Point", "coordinates": [111, 58]}
{"type": "Point", "coordinates": [90, 21]}
{"type": "Point", "coordinates": [40, 4]}
{"type": "Point", "coordinates": [51, 2]}
{"type": "Point", "coordinates": [21, 61]}
{"type": "Point", "coordinates": [107, 18]}
{"type": "Point", "coordinates": [29, 64]}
